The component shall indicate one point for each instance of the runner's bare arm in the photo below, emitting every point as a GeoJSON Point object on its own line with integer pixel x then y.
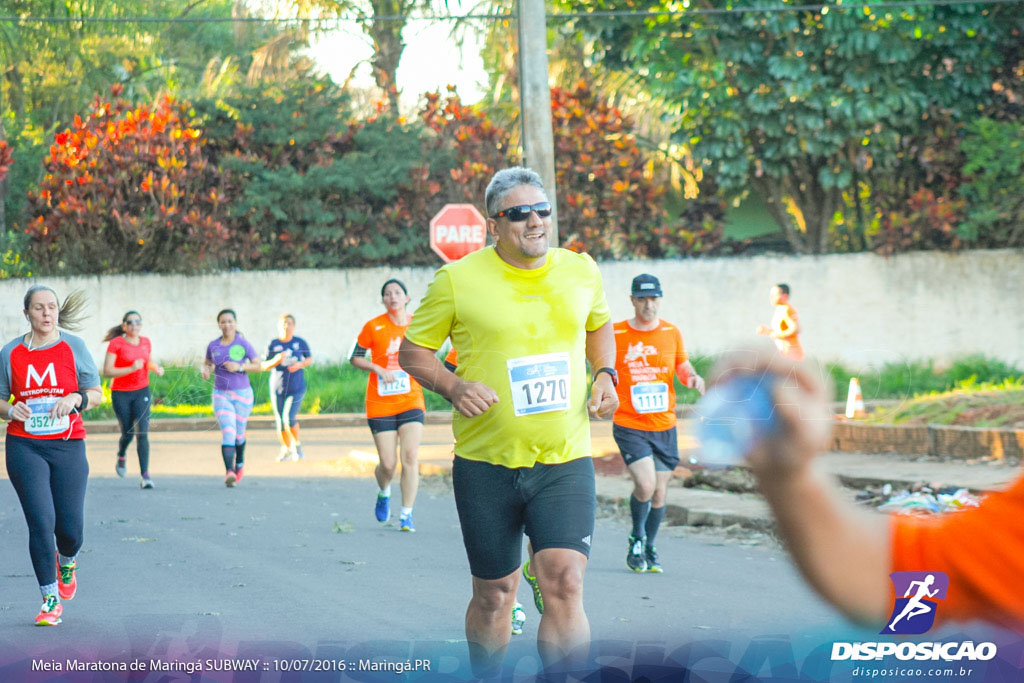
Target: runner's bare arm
{"type": "Point", "coordinates": [843, 552]}
{"type": "Point", "coordinates": [689, 377]}
{"type": "Point", "coordinates": [601, 354]}
{"type": "Point", "coordinates": [272, 362]}
{"type": "Point", "coordinates": [18, 411]}
{"type": "Point", "coordinates": [109, 370]}
{"type": "Point", "coordinates": [73, 401]}
{"type": "Point", "coordinates": [469, 398]}
{"type": "Point", "coordinates": [301, 365]}
{"type": "Point", "coordinates": [364, 363]}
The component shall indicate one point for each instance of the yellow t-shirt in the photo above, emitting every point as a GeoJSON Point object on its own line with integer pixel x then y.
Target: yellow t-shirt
{"type": "Point", "coordinates": [501, 318]}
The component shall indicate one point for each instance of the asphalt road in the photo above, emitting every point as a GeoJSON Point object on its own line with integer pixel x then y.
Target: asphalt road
{"type": "Point", "coordinates": [291, 564]}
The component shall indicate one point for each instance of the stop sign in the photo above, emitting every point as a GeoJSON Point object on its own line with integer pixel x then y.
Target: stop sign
{"type": "Point", "coordinates": [457, 230]}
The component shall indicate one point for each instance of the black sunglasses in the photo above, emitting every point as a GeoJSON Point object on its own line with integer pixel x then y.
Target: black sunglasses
{"type": "Point", "coordinates": [517, 214]}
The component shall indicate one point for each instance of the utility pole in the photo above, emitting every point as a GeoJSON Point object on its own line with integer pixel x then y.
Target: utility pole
{"type": "Point", "coordinates": [535, 99]}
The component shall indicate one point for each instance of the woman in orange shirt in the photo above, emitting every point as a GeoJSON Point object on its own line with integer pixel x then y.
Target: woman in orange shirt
{"type": "Point", "coordinates": [394, 402]}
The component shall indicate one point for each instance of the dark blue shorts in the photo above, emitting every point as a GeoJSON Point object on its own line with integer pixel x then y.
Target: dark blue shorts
{"type": "Point", "coordinates": [391, 423]}
{"type": "Point", "coordinates": [286, 408]}
{"type": "Point", "coordinates": [636, 444]}
{"type": "Point", "coordinates": [554, 504]}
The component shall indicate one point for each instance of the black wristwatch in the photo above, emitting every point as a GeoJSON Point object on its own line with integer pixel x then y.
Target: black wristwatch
{"type": "Point", "coordinates": [611, 373]}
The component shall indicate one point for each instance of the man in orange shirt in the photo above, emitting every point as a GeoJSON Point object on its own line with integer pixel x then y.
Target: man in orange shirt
{"type": "Point", "coordinates": [649, 353]}
{"type": "Point", "coordinates": [785, 326]}
{"type": "Point", "coordinates": [847, 554]}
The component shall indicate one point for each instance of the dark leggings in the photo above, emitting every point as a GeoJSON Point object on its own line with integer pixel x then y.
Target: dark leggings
{"type": "Point", "coordinates": [132, 410]}
{"type": "Point", "coordinates": [50, 477]}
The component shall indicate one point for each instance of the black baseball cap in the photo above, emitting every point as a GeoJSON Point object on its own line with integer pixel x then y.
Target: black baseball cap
{"type": "Point", "coordinates": [646, 285]}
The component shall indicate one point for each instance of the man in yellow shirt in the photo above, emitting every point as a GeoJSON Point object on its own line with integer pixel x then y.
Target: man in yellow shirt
{"type": "Point", "coordinates": [524, 318]}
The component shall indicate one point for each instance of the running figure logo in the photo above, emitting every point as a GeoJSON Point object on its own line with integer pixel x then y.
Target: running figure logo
{"type": "Point", "coordinates": [639, 351]}
{"type": "Point", "coordinates": [914, 612]}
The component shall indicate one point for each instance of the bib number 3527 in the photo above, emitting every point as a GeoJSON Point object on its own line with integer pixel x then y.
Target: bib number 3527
{"type": "Point", "coordinates": [40, 422]}
{"type": "Point", "coordinates": [540, 384]}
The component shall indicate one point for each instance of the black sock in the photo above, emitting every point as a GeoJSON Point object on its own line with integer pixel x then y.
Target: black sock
{"type": "Point", "coordinates": [239, 454]}
{"type": "Point", "coordinates": [228, 453]}
{"type": "Point", "coordinates": [640, 512]}
{"type": "Point", "coordinates": [653, 522]}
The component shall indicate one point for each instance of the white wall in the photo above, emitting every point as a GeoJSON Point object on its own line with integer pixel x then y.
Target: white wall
{"type": "Point", "coordinates": [861, 309]}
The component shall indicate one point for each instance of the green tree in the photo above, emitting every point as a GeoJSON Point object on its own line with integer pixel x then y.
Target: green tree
{"type": "Point", "coordinates": [50, 71]}
{"type": "Point", "coordinates": [805, 106]}
{"type": "Point", "coordinates": [127, 188]}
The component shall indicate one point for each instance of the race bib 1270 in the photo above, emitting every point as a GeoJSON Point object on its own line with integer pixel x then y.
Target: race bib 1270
{"type": "Point", "coordinates": [540, 384]}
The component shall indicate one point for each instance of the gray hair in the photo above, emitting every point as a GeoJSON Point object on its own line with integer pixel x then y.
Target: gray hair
{"type": "Point", "coordinates": [69, 314]}
{"type": "Point", "coordinates": [504, 181]}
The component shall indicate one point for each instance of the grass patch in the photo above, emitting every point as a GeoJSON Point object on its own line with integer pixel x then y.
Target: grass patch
{"type": "Point", "coordinates": [330, 388]}
{"type": "Point", "coordinates": [341, 388]}
{"type": "Point", "coordinates": [970, 404]}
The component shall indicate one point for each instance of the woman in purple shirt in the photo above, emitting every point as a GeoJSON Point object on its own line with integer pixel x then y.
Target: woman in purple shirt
{"type": "Point", "coordinates": [230, 357]}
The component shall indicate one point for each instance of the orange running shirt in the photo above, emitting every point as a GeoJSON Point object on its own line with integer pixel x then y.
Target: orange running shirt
{"type": "Point", "coordinates": [784, 318]}
{"type": "Point", "coordinates": [381, 338]}
{"type": "Point", "coordinates": [981, 550]}
{"type": "Point", "coordinates": [646, 362]}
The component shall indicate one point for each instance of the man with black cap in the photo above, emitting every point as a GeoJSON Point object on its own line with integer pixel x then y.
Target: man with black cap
{"type": "Point", "coordinates": [648, 353]}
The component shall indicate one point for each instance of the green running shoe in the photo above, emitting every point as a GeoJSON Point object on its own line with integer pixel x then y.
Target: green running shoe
{"type": "Point", "coordinates": [538, 599]}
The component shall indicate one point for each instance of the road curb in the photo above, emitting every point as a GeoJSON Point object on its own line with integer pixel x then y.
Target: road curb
{"type": "Point", "coordinates": [944, 441]}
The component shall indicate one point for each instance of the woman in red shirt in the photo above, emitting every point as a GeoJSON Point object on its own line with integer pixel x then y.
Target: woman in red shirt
{"type": "Point", "coordinates": [47, 379]}
{"type": "Point", "coordinates": [128, 362]}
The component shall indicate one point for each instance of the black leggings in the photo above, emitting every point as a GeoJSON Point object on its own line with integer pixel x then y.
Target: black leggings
{"type": "Point", "coordinates": [50, 477]}
{"type": "Point", "coordinates": [132, 410]}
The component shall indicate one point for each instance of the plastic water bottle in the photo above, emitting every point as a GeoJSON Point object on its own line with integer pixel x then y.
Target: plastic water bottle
{"type": "Point", "coordinates": [733, 418]}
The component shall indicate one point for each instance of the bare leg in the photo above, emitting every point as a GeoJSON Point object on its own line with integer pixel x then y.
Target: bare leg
{"type": "Point", "coordinates": [409, 436]}
{"type": "Point", "coordinates": [487, 622]}
{"type": "Point", "coordinates": [387, 451]}
{"type": "Point", "coordinates": [564, 629]}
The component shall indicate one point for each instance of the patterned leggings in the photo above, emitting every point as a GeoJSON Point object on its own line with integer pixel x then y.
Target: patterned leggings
{"type": "Point", "coordinates": [232, 408]}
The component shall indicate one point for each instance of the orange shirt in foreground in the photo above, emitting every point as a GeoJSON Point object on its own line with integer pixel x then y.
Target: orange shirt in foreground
{"type": "Point", "coordinates": [784, 319]}
{"type": "Point", "coordinates": [382, 338]}
{"type": "Point", "coordinates": [980, 549]}
{"type": "Point", "coordinates": [646, 361]}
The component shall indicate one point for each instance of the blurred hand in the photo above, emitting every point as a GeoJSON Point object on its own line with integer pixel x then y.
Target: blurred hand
{"type": "Point", "coordinates": [801, 409]}
{"type": "Point", "coordinates": [763, 330]}
{"type": "Point", "coordinates": [138, 364]}
{"type": "Point", "coordinates": [473, 398]}
{"type": "Point", "coordinates": [603, 399]}
{"type": "Point", "coordinates": [20, 412]}
{"type": "Point", "coordinates": [696, 382]}
{"type": "Point", "coordinates": [386, 376]}
{"type": "Point", "coordinates": [294, 368]}
{"type": "Point", "coordinates": [204, 370]}
{"type": "Point", "coordinates": [65, 405]}
{"type": "Point", "coordinates": [232, 366]}
{"type": "Point", "coordinates": [159, 369]}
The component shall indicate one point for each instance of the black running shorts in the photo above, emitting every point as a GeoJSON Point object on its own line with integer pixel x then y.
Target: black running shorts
{"type": "Point", "coordinates": [391, 423]}
{"type": "Point", "coordinates": [554, 504]}
{"type": "Point", "coordinates": [636, 444]}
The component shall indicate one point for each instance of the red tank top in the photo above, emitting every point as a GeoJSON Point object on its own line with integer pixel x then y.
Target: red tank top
{"type": "Point", "coordinates": [39, 378]}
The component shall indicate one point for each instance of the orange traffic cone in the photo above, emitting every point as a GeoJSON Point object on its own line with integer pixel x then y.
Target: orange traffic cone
{"type": "Point", "coordinates": [855, 400]}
